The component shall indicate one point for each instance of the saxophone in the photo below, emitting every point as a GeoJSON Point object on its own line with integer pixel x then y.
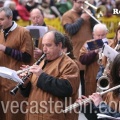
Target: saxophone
{"type": "Point", "coordinates": [103, 82]}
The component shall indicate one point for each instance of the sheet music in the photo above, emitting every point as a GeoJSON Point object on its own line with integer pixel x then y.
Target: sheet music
{"type": "Point", "coordinates": [10, 74]}
{"type": "Point", "coordinates": [42, 29]}
{"type": "Point", "coordinates": [100, 43]}
{"type": "Point", "coordinates": [109, 52]}
{"type": "Point", "coordinates": [99, 115]}
{"type": "Point", "coordinates": [105, 40]}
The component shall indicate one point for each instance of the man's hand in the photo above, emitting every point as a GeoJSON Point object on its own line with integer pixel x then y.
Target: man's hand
{"type": "Point", "coordinates": [97, 51]}
{"type": "Point", "coordinates": [96, 98]}
{"type": "Point", "coordinates": [35, 69]}
{"type": "Point", "coordinates": [85, 15]}
{"type": "Point", "coordinates": [82, 100]}
{"type": "Point", "coordinates": [24, 74]}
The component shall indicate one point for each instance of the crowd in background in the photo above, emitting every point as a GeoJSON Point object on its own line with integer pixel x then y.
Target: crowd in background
{"type": "Point", "coordinates": [52, 8]}
{"type": "Point", "coordinates": [68, 60]}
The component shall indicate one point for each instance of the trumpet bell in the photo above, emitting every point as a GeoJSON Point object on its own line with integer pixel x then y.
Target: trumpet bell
{"type": "Point", "coordinates": [101, 11]}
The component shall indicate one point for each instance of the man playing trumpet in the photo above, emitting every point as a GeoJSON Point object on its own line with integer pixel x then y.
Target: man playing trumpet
{"type": "Point", "coordinates": [78, 25]}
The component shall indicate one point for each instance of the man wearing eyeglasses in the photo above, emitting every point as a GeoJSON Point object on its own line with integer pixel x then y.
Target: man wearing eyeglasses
{"type": "Point", "coordinates": [78, 25]}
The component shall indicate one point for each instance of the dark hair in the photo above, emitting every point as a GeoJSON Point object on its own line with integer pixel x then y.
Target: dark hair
{"type": "Point", "coordinates": [59, 37]}
{"type": "Point", "coordinates": [114, 73]}
{"type": "Point", "coordinates": [116, 33]}
{"type": "Point", "coordinates": [117, 4]}
{"type": "Point", "coordinates": [69, 46]}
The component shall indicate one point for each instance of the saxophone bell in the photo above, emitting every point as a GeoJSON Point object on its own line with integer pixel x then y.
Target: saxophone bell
{"type": "Point", "coordinates": [103, 83]}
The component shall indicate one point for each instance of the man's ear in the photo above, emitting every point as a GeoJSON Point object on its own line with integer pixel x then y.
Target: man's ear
{"type": "Point", "coordinates": [10, 17]}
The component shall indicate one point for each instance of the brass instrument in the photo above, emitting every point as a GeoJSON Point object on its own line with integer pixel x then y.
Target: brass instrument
{"type": "Point", "coordinates": [99, 61]}
{"type": "Point", "coordinates": [75, 105]}
{"type": "Point", "coordinates": [100, 11]}
{"type": "Point", "coordinates": [91, 15]}
{"type": "Point", "coordinates": [15, 89]}
{"type": "Point", "coordinates": [103, 82]}
{"type": "Point", "coordinates": [105, 41]}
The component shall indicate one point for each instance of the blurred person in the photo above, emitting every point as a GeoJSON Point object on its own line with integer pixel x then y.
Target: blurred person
{"type": "Point", "coordinates": [45, 7]}
{"type": "Point", "coordinates": [1, 3]}
{"type": "Point", "coordinates": [22, 11]}
{"type": "Point", "coordinates": [63, 6]}
{"type": "Point", "coordinates": [31, 4]}
{"type": "Point", "coordinates": [112, 43]}
{"type": "Point", "coordinates": [37, 19]}
{"type": "Point", "coordinates": [116, 39]}
{"type": "Point", "coordinates": [77, 24]}
{"type": "Point", "coordinates": [93, 2]}
{"type": "Point", "coordinates": [16, 48]}
{"type": "Point", "coordinates": [16, 1]}
{"type": "Point", "coordinates": [56, 78]}
{"type": "Point", "coordinates": [68, 49]}
{"type": "Point", "coordinates": [74, 25]}
{"type": "Point", "coordinates": [90, 59]}
{"type": "Point", "coordinates": [101, 2]}
{"type": "Point", "coordinates": [107, 104]}
{"type": "Point", "coordinates": [117, 6]}
{"type": "Point", "coordinates": [12, 6]}
{"type": "Point", "coordinates": [54, 9]}
{"type": "Point", "coordinates": [6, 3]}
{"type": "Point", "coordinates": [109, 6]}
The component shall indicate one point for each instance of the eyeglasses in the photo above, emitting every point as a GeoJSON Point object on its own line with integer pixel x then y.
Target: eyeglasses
{"type": "Point", "coordinates": [80, 2]}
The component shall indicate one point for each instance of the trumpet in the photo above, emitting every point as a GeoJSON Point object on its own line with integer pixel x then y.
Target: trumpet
{"type": "Point", "coordinates": [75, 105]}
{"type": "Point", "coordinates": [15, 89]}
{"type": "Point", "coordinates": [91, 15]}
{"type": "Point", "coordinates": [100, 11]}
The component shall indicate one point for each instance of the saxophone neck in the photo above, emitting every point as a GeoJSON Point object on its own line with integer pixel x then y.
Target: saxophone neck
{"type": "Point", "coordinates": [117, 47]}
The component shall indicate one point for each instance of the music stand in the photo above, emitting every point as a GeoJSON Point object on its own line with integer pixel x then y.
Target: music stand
{"type": "Point", "coordinates": [37, 32]}
{"type": "Point", "coordinates": [35, 35]}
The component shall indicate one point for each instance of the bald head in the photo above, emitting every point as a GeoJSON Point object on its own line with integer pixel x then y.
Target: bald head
{"type": "Point", "coordinates": [100, 31]}
{"type": "Point", "coordinates": [36, 10]}
{"type": "Point", "coordinates": [100, 27]}
{"type": "Point", "coordinates": [52, 43]}
{"type": "Point", "coordinates": [37, 17]}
